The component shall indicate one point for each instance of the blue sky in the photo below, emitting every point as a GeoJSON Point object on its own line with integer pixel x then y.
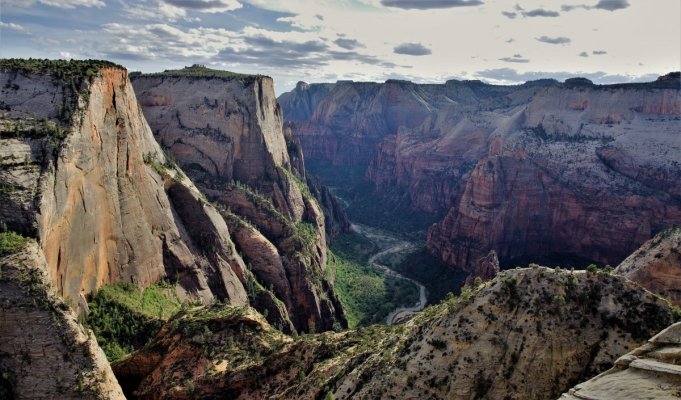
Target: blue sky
{"type": "Point", "coordinates": [498, 41]}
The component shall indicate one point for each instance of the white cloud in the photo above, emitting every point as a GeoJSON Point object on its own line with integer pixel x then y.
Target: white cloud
{"type": "Point", "coordinates": [12, 26]}
{"type": "Point", "coordinates": [205, 6]}
{"type": "Point", "coordinates": [155, 11]}
{"type": "Point", "coordinates": [58, 3]}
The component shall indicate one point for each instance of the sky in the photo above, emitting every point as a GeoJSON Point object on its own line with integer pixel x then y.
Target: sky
{"type": "Point", "coordinates": [424, 41]}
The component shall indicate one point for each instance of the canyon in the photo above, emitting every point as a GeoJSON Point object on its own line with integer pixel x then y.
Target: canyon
{"type": "Point", "coordinates": [188, 190]}
{"type": "Point", "coordinates": [533, 172]}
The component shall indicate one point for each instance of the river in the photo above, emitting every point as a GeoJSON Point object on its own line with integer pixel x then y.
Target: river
{"type": "Point", "coordinates": [390, 244]}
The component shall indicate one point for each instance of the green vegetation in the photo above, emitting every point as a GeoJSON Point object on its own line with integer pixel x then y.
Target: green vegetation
{"type": "Point", "coordinates": [302, 186]}
{"type": "Point", "coordinates": [161, 169]}
{"type": "Point", "coordinates": [366, 206]}
{"type": "Point", "coordinates": [201, 71]}
{"type": "Point", "coordinates": [11, 242]}
{"type": "Point", "coordinates": [227, 333]}
{"type": "Point", "coordinates": [124, 318]}
{"type": "Point", "coordinates": [438, 279]}
{"type": "Point", "coordinates": [367, 295]}
{"type": "Point", "coordinates": [63, 69]}
{"type": "Point", "coordinates": [32, 128]}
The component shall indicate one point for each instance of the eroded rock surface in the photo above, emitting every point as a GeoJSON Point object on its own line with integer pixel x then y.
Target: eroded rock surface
{"type": "Point", "coordinates": [97, 192]}
{"type": "Point", "coordinates": [652, 371]}
{"type": "Point", "coordinates": [44, 352]}
{"type": "Point", "coordinates": [657, 265]}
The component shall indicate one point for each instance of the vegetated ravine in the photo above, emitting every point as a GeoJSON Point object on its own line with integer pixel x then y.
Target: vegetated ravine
{"type": "Point", "coordinates": [390, 244]}
{"type": "Point", "coordinates": [387, 244]}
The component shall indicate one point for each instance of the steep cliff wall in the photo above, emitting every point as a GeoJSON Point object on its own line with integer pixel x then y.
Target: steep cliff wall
{"type": "Point", "coordinates": [226, 132]}
{"type": "Point", "coordinates": [97, 192]}
{"type": "Point", "coordinates": [529, 171]}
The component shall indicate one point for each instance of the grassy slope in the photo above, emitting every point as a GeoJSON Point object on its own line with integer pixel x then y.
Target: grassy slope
{"type": "Point", "coordinates": [124, 318]}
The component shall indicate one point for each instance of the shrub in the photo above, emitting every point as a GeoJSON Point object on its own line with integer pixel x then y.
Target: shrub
{"type": "Point", "coordinates": [11, 242]}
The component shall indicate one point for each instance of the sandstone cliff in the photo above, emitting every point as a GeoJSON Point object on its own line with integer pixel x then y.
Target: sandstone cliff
{"type": "Point", "coordinates": [527, 334]}
{"type": "Point", "coordinates": [652, 371]}
{"type": "Point", "coordinates": [225, 130]}
{"type": "Point", "coordinates": [82, 173]}
{"type": "Point", "coordinates": [529, 171]}
{"type": "Point", "coordinates": [657, 265]}
{"type": "Point", "coordinates": [44, 352]}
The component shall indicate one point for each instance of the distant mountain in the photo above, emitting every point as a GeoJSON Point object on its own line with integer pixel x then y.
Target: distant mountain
{"type": "Point", "coordinates": [532, 171]}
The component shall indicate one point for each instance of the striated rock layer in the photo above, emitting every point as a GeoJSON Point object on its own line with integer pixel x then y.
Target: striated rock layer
{"type": "Point", "coordinates": [226, 132]}
{"type": "Point", "coordinates": [526, 334]}
{"type": "Point", "coordinates": [652, 371]}
{"type": "Point", "coordinates": [657, 265]}
{"type": "Point", "coordinates": [530, 171]}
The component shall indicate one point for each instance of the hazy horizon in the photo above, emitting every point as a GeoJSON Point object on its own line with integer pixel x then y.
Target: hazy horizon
{"type": "Point", "coordinates": [426, 41]}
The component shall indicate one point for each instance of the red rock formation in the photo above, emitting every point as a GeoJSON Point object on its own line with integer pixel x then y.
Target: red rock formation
{"type": "Point", "coordinates": [528, 171]}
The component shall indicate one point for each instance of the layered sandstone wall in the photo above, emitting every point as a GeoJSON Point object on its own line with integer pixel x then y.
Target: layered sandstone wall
{"type": "Point", "coordinates": [529, 171]}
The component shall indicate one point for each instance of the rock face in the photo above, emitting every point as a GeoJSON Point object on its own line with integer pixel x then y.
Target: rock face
{"type": "Point", "coordinates": [97, 192]}
{"type": "Point", "coordinates": [657, 265]}
{"type": "Point", "coordinates": [652, 371]}
{"type": "Point", "coordinates": [44, 352]}
{"type": "Point", "coordinates": [526, 334]}
{"type": "Point", "coordinates": [226, 132]}
{"type": "Point", "coordinates": [529, 171]}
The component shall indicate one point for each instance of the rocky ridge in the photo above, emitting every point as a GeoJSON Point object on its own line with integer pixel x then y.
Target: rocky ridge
{"type": "Point", "coordinates": [56, 358]}
{"type": "Point", "coordinates": [529, 171]}
{"type": "Point", "coordinates": [512, 337]}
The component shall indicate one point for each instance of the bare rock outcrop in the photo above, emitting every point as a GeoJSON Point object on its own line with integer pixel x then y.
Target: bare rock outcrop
{"type": "Point", "coordinates": [652, 371]}
{"type": "Point", "coordinates": [657, 265]}
{"type": "Point", "coordinates": [44, 352]}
